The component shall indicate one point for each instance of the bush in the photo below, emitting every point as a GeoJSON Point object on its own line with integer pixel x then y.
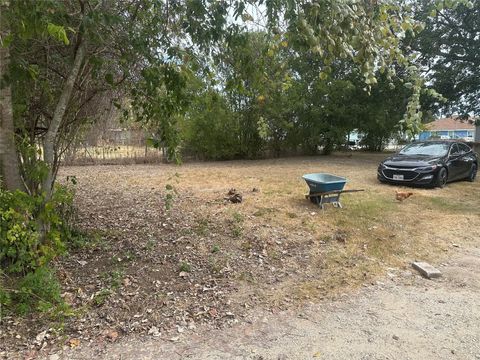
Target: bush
{"type": "Point", "coordinates": [37, 291]}
{"type": "Point", "coordinates": [211, 129]}
{"type": "Point", "coordinates": [32, 230]}
{"type": "Point", "coordinates": [32, 233]}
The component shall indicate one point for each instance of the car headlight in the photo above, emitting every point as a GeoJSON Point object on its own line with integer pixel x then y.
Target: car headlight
{"type": "Point", "coordinates": [427, 168]}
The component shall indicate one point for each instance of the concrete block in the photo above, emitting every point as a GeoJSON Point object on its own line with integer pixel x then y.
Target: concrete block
{"type": "Point", "coordinates": [426, 269]}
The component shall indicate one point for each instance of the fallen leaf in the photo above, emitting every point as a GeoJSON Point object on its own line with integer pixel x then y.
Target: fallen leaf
{"type": "Point", "coordinates": [111, 335]}
{"type": "Point", "coordinates": [74, 342]}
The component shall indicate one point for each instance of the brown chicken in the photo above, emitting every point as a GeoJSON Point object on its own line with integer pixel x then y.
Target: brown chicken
{"type": "Point", "coordinates": [402, 195]}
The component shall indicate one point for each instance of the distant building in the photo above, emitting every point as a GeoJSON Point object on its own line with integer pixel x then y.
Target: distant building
{"type": "Point", "coordinates": [449, 128]}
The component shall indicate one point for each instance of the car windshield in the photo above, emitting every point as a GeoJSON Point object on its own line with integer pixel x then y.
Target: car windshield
{"type": "Point", "coordinates": [431, 149]}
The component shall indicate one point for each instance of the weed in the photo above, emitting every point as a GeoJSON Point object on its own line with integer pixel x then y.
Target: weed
{"type": "Point", "coordinates": [77, 239]}
{"type": "Point", "coordinates": [238, 217]}
{"type": "Point", "coordinates": [215, 249]}
{"type": "Point", "coordinates": [185, 266]}
{"type": "Point", "coordinates": [37, 291]}
{"type": "Point", "coordinates": [169, 201]}
{"type": "Point", "coordinates": [116, 277]}
{"type": "Point", "coordinates": [101, 296]}
{"type": "Point", "coordinates": [237, 231]}
{"type": "Point", "coordinates": [150, 245]}
{"type": "Point", "coordinates": [202, 227]}
{"type": "Point", "coordinates": [170, 196]}
{"type": "Point", "coordinates": [129, 256]}
{"type": "Point", "coordinates": [113, 277]}
{"type": "Point", "coordinates": [237, 224]}
{"type": "Point", "coordinates": [264, 211]}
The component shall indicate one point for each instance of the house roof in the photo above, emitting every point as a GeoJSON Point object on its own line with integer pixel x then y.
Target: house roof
{"type": "Point", "coordinates": [450, 124]}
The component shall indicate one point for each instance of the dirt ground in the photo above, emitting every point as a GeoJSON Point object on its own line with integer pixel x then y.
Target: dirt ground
{"type": "Point", "coordinates": [167, 257]}
{"type": "Point", "coordinates": [403, 316]}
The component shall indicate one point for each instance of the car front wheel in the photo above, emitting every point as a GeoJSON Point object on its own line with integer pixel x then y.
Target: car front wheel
{"type": "Point", "coordinates": [473, 173]}
{"type": "Point", "coordinates": [442, 178]}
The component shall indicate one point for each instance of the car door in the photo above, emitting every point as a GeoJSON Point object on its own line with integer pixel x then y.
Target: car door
{"type": "Point", "coordinates": [467, 159]}
{"type": "Point", "coordinates": [454, 163]}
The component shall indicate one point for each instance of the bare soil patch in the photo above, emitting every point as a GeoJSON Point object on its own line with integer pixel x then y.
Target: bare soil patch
{"type": "Point", "coordinates": [167, 253]}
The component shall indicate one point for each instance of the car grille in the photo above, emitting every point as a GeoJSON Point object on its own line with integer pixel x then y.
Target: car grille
{"type": "Point", "coordinates": [408, 175]}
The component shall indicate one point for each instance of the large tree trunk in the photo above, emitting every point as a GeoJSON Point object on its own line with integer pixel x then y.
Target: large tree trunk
{"type": "Point", "coordinates": [49, 142]}
{"type": "Point", "coordinates": [10, 165]}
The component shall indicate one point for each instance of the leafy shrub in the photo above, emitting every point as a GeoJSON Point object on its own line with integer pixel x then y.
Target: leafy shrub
{"type": "Point", "coordinates": [32, 230]}
{"type": "Point", "coordinates": [211, 129]}
{"type": "Point", "coordinates": [37, 291]}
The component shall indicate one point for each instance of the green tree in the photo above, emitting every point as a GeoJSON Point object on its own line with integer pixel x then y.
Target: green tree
{"type": "Point", "coordinates": [210, 130]}
{"type": "Point", "coordinates": [449, 49]}
{"type": "Point", "coordinates": [66, 54]}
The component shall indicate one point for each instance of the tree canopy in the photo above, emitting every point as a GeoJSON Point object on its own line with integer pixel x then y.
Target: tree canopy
{"type": "Point", "coordinates": [449, 49]}
{"type": "Point", "coordinates": [68, 61]}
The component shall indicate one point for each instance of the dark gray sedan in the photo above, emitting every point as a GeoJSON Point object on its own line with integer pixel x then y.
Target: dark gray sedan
{"type": "Point", "coordinates": [430, 163]}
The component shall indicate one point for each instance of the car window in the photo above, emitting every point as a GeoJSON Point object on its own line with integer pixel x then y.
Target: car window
{"type": "Point", "coordinates": [454, 150]}
{"type": "Point", "coordinates": [426, 148]}
{"type": "Point", "coordinates": [464, 148]}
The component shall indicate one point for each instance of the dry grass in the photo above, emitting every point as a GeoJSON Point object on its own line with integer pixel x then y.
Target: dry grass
{"type": "Point", "coordinates": [329, 249]}
{"type": "Point", "coordinates": [166, 247]}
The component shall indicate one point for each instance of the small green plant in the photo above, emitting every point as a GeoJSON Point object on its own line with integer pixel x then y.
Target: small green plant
{"type": "Point", "coordinates": [237, 231]}
{"type": "Point", "coordinates": [101, 296]}
{"type": "Point", "coordinates": [5, 298]}
{"type": "Point", "coordinates": [32, 230]}
{"type": "Point", "coordinates": [215, 249]}
{"type": "Point", "coordinates": [264, 211]}
{"type": "Point", "coordinates": [150, 245]}
{"type": "Point", "coordinates": [169, 196]}
{"type": "Point", "coordinates": [237, 224]}
{"type": "Point", "coordinates": [238, 217]}
{"type": "Point", "coordinates": [38, 291]}
{"type": "Point", "coordinates": [185, 266]}
{"type": "Point", "coordinates": [113, 277]}
{"type": "Point", "coordinates": [129, 256]}
{"type": "Point", "coordinates": [116, 277]}
{"type": "Point", "coordinates": [201, 228]}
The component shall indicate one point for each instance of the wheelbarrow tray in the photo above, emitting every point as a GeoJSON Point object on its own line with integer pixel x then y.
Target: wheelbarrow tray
{"type": "Point", "coordinates": [323, 182]}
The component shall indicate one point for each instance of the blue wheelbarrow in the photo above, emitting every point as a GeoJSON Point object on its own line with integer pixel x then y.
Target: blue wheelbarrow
{"type": "Point", "coordinates": [326, 188]}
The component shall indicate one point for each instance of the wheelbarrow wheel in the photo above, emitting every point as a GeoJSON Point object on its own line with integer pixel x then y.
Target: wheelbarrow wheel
{"type": "Point", "coordinates": [315, 199]}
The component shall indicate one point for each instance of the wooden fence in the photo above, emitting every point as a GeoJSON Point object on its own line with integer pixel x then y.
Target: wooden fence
{"type": "Point", "coordinates": [115, 146]}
